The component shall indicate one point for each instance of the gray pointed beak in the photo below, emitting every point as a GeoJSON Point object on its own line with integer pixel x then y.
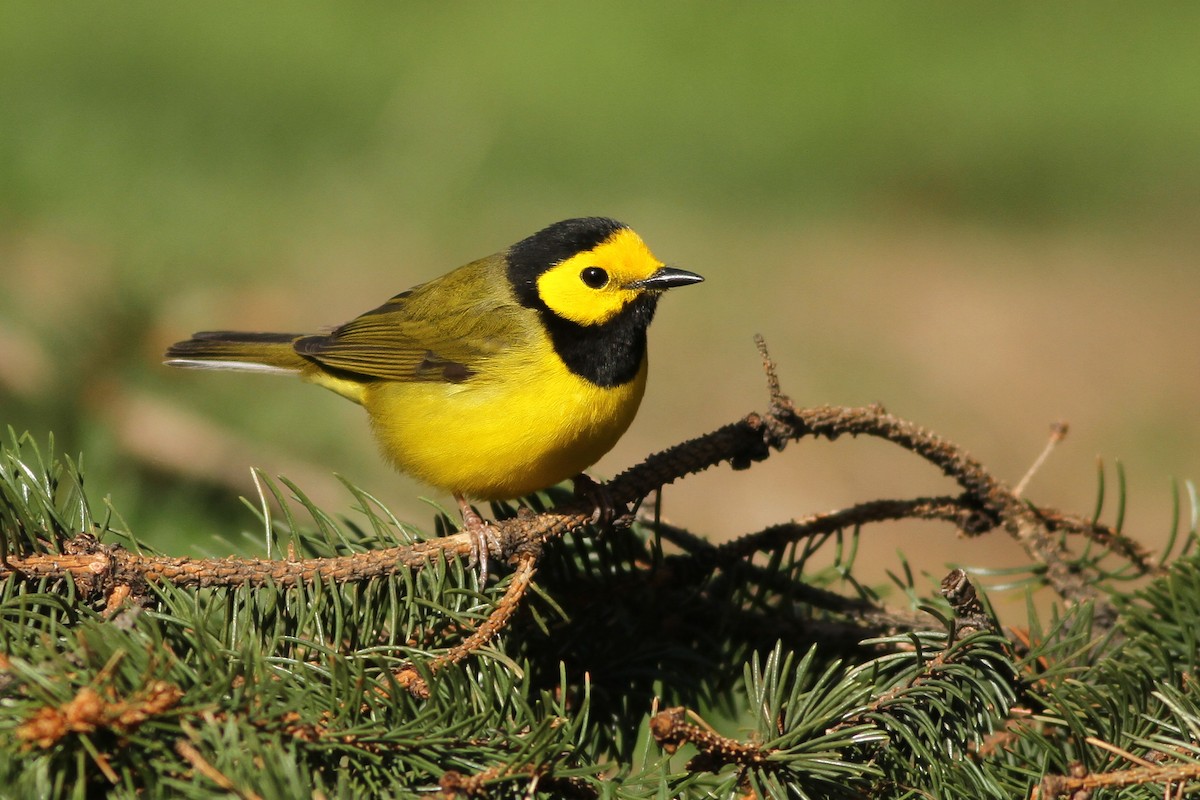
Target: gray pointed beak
{"type": "Point", "coordinates": [666, 278]}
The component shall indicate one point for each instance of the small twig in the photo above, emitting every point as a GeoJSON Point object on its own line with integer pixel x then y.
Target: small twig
{"type": "Point", "coordinates": [930, 670]}
{"type": "Point", "coordinates": [1053, 786]}
{"type": "Point", "coordinates": [454, 784]}
{"type": "Point", "coordinates": [410, 679]}
{"type": "Point", "coordinates": [1103, 535]}
{"type": "Point", "coordinates": [188, 752]}
{"type": "Point", "coordinates": [671, 729]}
{"type": "Point", "coordinates": [775, 393]}
{"type": "Point", "coordinates": [969, 614]}
{"type": "Point", "coordinates": [701, 558]}
{"type": "Point", "coordinates": [1118, 751]}
{"type": "Point", "coordinates": [949, 509]}
{"type": "Point", "coordinates": [1058, 432]}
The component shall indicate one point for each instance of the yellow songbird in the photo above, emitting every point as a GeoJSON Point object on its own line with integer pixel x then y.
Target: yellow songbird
{"type": "Point", "coordinates": [505, 376]}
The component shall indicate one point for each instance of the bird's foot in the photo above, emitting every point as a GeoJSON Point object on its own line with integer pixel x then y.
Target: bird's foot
{"type": "Point", "coordinates": [483, 540]}
{"type": "Point", "coordinates": [608, 510]}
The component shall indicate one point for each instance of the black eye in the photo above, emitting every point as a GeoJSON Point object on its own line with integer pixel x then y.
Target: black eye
{"type": "Point", "coordinates": [594, 277]}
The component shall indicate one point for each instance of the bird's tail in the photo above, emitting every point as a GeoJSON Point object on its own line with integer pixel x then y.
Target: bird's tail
{"type": "Point", "coordinates": [250, 352]}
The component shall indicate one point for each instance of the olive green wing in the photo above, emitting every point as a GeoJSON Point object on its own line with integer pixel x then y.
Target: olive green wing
{"type": "Point", "coordinates": [445, 330]}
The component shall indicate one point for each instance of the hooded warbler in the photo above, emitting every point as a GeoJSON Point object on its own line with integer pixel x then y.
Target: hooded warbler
{"type": "Point", "coordinates": [508, 375]}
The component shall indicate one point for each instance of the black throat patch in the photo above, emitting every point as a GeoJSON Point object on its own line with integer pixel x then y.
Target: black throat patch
{"type": "Point", "coordinates": [607, 355]}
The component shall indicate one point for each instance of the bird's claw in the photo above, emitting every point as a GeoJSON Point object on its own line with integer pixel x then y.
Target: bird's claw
{"type": "Point", "coordinates": [483, 540]}
{"type": "Point", "coordinates": [607, 509]}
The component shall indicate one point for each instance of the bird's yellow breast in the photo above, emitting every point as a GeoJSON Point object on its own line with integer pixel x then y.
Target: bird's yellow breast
{"type": "Point", "coordinates": [525, 423]}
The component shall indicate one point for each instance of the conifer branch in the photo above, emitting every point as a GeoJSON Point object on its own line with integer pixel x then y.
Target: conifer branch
{"type": "Point", "coordinates": [986, 503]}
{"type": "Point", "coordinates": [288, 669]}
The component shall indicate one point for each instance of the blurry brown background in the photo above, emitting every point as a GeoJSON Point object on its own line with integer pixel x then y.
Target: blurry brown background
{"type": "Point", "coordinates": [984, 219]}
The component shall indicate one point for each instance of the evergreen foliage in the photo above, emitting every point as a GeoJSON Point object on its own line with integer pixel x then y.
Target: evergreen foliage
{"type": "Point", "coordinates": [628, 673]}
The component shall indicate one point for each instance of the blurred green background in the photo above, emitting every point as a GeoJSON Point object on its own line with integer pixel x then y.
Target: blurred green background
{"type": "Point", "coordinates": [982, 217]}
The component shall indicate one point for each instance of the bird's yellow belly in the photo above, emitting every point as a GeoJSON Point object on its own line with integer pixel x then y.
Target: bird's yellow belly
{"type": "Point", "coordinates": [530, 427]}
